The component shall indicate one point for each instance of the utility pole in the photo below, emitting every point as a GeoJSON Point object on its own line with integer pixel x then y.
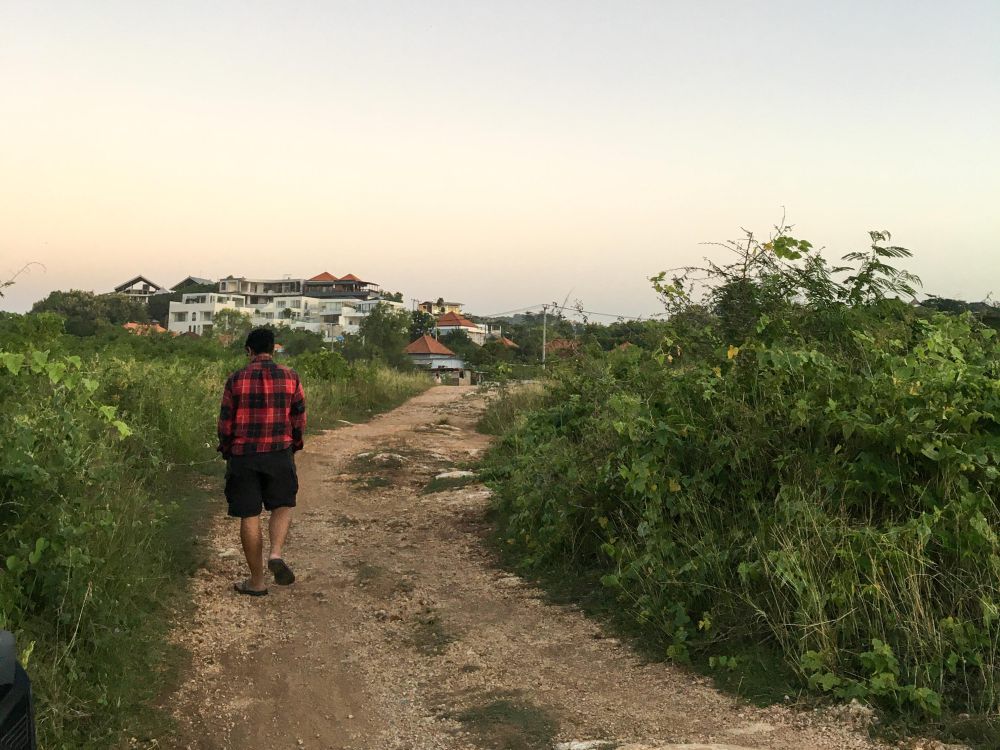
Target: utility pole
{"type": "Point", "coordinates": [545, 325]}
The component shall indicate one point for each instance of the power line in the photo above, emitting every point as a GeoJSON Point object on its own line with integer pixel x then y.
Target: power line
{"type": "Point", "coordinates": [574, 309]}
{"type": "Point", "coordinates": [511, 312]}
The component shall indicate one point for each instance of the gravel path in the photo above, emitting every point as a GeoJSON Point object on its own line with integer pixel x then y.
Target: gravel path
{"type": "Point", "coordinates": [401, 631]}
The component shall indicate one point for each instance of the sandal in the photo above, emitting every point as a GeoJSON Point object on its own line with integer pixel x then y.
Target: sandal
{"type": "Point", "coordinates": [243, 587]}
{"type": "Point", "coordinates": [283, 575]}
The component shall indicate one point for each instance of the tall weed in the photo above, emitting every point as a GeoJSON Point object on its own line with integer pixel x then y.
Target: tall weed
{"type": "Point", "coordinates": [90, 445]}
{"type": "Point", "coordinates": [825, 483]}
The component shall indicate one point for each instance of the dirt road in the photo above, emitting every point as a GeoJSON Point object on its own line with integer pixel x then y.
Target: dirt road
{"type": "Point", "coordinates": [402, 632]}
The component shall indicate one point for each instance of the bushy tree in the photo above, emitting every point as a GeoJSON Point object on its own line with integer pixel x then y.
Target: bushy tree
{"type": "Point", "coordinates": [421, 323]}
{"type": "Point", "coordinates": [231, 326]}
{"type": "Point", "coordinates": [85, 312]}
{"type": "Point", "coordinates": [383, 335]}
{"type": "Point", "coordinates": [298, 340]}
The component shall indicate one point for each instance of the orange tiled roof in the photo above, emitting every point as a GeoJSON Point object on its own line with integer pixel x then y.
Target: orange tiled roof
{"type": "Point", "coordinates": [428, 345]}
{"type": "Point", "coordinates": [144, 328]}
{"type": "Point", "coordinates": [508, 343]}
{"type": "Point", "coordinates": [454, 320]}
{"type": "Point", "coordinates": [325, 276]}
{"type": "Point", "coordinates": [349, 277]}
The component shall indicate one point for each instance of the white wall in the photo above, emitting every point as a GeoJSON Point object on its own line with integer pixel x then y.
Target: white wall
{"type": "Point", "coordinates": [327, 317]}
{"type": "Point", "coordinates": [197, 311]}
{"type": "Point", "coordinates": [436, 361]}
{"type": "Point", "coordinates": [477, 334]}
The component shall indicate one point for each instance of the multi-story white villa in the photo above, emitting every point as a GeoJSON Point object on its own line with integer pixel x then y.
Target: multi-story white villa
{"type": "Point", "coordinates": [195, 313]}
{"type": "Point", "coordinates": [326, 308]}
{"type": "Point", "coordinates": [325, 285]}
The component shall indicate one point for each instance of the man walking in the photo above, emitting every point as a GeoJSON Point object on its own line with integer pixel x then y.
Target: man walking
{"type": "Point", "coordinates": [261, 422]}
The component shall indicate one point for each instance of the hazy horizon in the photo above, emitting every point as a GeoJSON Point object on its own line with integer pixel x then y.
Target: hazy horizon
{"type": "Point", "coordinates": [502, 155]}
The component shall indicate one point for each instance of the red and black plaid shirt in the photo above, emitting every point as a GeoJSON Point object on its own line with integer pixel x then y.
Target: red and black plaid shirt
{"type": "Point", "coordinates": [263, 409]}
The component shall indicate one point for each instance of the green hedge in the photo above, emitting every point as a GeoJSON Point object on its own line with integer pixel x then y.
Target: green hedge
{"type": "Point", "coordinates": [826, 485]}
{"type": "Point", "coordinates": [89, 565]}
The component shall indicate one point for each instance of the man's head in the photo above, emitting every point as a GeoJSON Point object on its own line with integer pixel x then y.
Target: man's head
{"type": "Point", "coordinates": [260, 341]}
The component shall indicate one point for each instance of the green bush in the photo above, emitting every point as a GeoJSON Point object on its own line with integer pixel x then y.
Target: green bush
{"type": "Point", "coordinates": [92, 433]}
{"type": "Point", "coordinates": [804, 462]}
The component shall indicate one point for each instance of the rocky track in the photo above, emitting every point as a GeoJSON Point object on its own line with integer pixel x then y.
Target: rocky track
{"type": "Point", "coordinates": [402, 632]}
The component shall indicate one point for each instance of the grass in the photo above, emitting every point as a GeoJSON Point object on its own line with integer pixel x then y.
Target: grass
{"type": "Point", "coordinates": [763, 678]}
{"type": "Point", "coordinates": [357, 399]}
{"type": "Point", "coordinates": [100, 440]}
{"type": "Point", "coordinates": [102, 660]}
{"type": "Point", "coordinates": [506, 406]}
{"type": "Point", "coordinates": [509, 722]}
{"type": "Point", "coordinates": [372, 483]}
{"type": "Point", "coordinates": [447, 483]}
{"type": "Point", "coordinates": [134, 664]}
{"type": "Point", "coordinates": [194, 500]}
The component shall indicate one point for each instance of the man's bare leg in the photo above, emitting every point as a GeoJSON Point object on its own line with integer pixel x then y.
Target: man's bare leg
{"type": "Point", "coordinates": [253, 549]}
{"type": "Point", "coordinates": [277, 530]}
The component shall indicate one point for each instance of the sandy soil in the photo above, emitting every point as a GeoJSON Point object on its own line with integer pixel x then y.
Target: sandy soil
{"type": "Point", "coordinates": [403, 632]}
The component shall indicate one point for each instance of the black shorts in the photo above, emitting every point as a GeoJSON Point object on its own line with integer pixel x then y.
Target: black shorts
{"type": "Point", "coordinates": [259, 480]}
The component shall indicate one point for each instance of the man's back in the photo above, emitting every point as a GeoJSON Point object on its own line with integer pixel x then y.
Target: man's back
{"type": "Point", "coordinates": [261, 422]}
{"type": "Point", "coordinates": [263, 409]}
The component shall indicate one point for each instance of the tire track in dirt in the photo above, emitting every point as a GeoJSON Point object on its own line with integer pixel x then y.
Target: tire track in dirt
{"type": "Point", "coordinates": [402, 632]}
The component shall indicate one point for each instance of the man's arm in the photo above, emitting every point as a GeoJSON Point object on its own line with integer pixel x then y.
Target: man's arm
{"type": "Point", "coordinates": [298, 415]}
{"type": "Point", "coordinates": [227, 420]}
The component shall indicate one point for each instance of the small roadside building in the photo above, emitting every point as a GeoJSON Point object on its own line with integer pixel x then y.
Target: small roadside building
{"type": "Point", "coordinates": [451, 322]}
{"type": "Point", "coordinates": [428, 353]}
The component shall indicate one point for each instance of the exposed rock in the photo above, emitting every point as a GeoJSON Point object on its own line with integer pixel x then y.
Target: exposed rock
{"type": "Point", "coordinates": [755, 728]}
{"type": "Point", "coordinates": [455, 474]}
{"type": "Point", "coordinates": [389, 458]}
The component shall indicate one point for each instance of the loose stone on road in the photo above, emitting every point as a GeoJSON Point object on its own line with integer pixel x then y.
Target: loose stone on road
{"type": "Point", "coordinates": [402, 632]}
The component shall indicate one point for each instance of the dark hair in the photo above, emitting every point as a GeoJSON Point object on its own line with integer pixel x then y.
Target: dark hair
{"type": "Point", "coordinates": [261, 341]}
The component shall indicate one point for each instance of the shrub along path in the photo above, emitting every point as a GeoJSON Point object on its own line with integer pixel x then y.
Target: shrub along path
{"type": "Point", "coordinates": [402, 631]}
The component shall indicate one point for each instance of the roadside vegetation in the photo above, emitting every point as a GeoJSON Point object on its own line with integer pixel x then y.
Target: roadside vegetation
{"type": "Point", "coordinates": [799, 466]}
{"type": "Point", "coordinates": [104, 439]}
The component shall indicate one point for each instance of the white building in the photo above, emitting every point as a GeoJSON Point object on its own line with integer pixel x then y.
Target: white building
{"type": "Point", "coordinates": [195, 313]}
{"type": "Point", "coordinates": [330, 318]}
{"type": "Point", "coordinates": [260, 291]}
{"type": "Point", "coordinates": [451, 322]}
{"type": "Point", "coordinates": [430, 354]}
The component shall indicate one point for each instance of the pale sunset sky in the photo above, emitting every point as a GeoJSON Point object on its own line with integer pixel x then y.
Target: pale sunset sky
{"type": "Point", "coordinates": [501, 153]}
